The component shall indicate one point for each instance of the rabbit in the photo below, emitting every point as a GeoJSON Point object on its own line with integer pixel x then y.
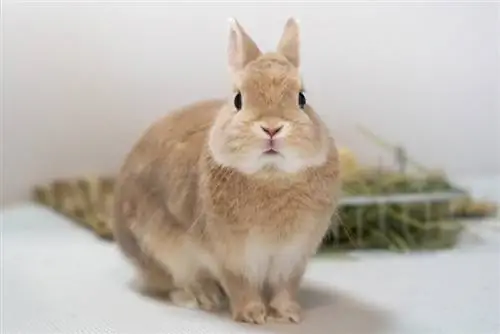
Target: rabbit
{"type": "Point", "coordinates": [225, 201]}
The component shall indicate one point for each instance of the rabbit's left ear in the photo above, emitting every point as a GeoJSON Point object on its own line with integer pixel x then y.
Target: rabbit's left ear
{"type": "Point", "coordinates": [289, 45]}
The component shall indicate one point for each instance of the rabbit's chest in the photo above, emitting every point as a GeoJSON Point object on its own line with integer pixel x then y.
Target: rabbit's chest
{"type": "Point", "coordinates": [281, 206]}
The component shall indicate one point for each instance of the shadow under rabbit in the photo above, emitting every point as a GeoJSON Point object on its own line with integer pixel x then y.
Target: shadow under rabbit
{"type": "Point", "coordinates": [330, 311]}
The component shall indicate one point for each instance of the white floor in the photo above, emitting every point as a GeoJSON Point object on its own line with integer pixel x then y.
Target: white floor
{"type": "Point", "coordinates": [58, 278]}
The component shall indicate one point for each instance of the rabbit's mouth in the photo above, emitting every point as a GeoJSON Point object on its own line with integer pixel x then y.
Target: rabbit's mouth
{"type": "Point", "coordinates": [272, 147]}
{"type": "Point", "coordinates": [271, 151]}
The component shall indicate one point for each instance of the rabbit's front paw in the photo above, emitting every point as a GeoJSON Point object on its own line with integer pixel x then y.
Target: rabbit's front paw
{"type": "Point", "coordinates": [285, 311]}
{"type": "Point", "coordinates": [253, 312]}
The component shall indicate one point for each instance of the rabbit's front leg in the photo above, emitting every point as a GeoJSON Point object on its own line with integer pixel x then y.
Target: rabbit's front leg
{"type": "Point", "coordinates": [283, 303]}
{"type": "Point", "coordinates": [245, 297]}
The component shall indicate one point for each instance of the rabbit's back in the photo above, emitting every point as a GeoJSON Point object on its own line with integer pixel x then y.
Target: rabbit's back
{"type": "Point", "coordinates": [174, 141]}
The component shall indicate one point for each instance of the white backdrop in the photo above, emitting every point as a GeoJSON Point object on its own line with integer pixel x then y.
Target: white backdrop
{"type": "Point", "coordinates": [82, 79]}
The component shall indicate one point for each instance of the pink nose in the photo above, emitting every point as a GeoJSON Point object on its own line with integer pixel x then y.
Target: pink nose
{"type": "Point", "coordinates": [272, 131]}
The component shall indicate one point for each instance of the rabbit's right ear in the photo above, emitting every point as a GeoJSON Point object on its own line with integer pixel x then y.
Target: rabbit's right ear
{"type": "Point", "coordinates": [242, 49]}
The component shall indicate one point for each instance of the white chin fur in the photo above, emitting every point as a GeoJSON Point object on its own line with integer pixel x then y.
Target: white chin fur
{"type": "Point", "coordinates": [254, 162]}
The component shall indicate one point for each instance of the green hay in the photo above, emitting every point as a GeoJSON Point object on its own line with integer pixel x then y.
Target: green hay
{"type": "Point", "coordinates": [400, 227]}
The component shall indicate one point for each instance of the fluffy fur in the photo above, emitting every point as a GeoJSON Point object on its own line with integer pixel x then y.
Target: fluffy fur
{"type": "Point", "coordinates": [206, 215]}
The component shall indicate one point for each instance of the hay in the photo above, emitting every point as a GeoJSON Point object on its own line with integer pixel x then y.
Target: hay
{"type": "Point", "coordinates": [418, 212]}
{"type": "Point", "coordinates": [87, 201]}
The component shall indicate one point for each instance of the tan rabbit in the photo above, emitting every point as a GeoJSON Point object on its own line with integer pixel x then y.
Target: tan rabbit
{"type": "Point", "coordinates": [228, 199]}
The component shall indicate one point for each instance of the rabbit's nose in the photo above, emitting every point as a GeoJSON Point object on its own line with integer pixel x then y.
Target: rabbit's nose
{"type": "Point", "coordinates": [271, 131]}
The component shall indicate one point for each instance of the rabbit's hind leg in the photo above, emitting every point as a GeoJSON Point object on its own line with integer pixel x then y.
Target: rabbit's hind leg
{"type": "Point", "coordinates": [206, 296]}
{"type": "Point", "coordinates": [171, 260]}
{"type": "Point", "coordinates": [182, 270]}
{"type": "Point", "coordinates": [209, 294]}
{"type": "Point", "coordinates": [172, 277]}
{"type": "Point", "coordinates": [154, 281]}
{"type": "Point", "coordinates": [152, 278]}
{"type": "Point", "coordinates": [195, 286]}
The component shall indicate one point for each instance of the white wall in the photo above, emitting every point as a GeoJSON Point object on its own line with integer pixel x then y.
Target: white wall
{"type": "Point", "coordinates": [81, 80]}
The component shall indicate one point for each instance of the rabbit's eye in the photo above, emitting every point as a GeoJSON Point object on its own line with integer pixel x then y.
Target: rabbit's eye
{"type": "Point", "coordinates": [237, 101]}
{"type": "Point", "coordinates": [302, 100]}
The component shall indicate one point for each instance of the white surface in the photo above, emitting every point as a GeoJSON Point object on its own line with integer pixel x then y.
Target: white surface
{"type": "Point", "coordinates": [83, 78]}
{"type": "Point", "coordinates": [58, 278]}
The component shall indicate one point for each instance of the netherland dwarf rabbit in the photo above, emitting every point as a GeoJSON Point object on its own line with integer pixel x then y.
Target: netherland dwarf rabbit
{"type": "Point", "coordinates": [226, 200]}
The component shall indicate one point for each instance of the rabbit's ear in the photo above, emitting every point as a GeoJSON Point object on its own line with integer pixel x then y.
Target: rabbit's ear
{"type": "Point", "coordinates": [289, 45]}
{"type": "Point", "coordinates": [242, 49]}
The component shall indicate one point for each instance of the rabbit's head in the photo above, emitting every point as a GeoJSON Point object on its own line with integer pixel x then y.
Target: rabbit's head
{"type": "Point", "coordinates": [267, 123]}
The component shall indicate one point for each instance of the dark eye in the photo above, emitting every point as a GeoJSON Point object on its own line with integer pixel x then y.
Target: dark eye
{"type": "Point", "coordinates": [237, 101]}
{"type": "Point", "coordinates": [302, 100]}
